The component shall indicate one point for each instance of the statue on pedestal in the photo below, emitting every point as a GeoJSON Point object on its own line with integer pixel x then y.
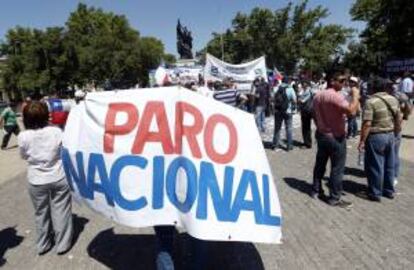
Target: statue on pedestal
{"type": "Point", "coordinates": [184, 42]}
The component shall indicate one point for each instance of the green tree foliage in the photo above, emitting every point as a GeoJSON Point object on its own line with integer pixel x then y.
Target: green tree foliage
{"type": "Point", "coordinates": [95, 48]}
{"type": "Point", "coordinates": [390, 27]}
{"type": "Point", "coordinates": [360, 60]}
{"type": "Point", "coordinates": [290, 38]}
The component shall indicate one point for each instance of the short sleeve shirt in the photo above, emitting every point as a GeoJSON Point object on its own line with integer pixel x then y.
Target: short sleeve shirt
{"type": "Point", "coordinates": [41, 149]}
{"type": "Point", "coordinates": [9, 117]}
{"type": "Point", "coordinates": [377, 111]}
{"type": "Point", "coordinates": [330, 107]}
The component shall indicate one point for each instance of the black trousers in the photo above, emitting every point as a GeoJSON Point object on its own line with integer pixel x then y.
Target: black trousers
{"type": "Point", "coordinates": [306, 119]}
{"type": "Point", "coordinates": [333, 149]}
{"type": "Point", "coordinates": [9, 131]}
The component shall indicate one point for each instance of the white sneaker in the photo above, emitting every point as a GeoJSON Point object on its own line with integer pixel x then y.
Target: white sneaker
{"type": "Point", "coordinates": [395, 181]}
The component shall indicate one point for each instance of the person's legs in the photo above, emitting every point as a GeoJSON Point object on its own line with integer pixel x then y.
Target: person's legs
{"type": "Point", "coordinates": [389, 167]}
{"type": "Point", "coordinates": [374, 164]}
{"type": "Point", "coordinates": [397, 157]}
{"type": "Point", "coordinates": [288, 127]}
{"type": "Point", "coordinates": [322, 156]}
{"type": "Point", "coordinates": [62, 215]}
{"type": "Point", "coordinates": [6, 137]}
{"type": "Point", "coordinates": [164, 246]}
{"type": "Point", "coordinates": [355, 126]}
{"type": "Point", "coordinates": [306, 129]}
{"type": "Point", "coordinates": [40, 197]}
{"type": "Point", "coordinates": [338, 159]}
{"type": "Point", "coordinates": [259, 115]}
{"type": "Point", "coordinates": [276, 131]}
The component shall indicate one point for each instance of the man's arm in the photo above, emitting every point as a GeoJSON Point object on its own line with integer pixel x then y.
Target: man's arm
{"type": "Point", "coordinates": [365, 129]}
{"type": "Point", "coordinates": [354, 105]}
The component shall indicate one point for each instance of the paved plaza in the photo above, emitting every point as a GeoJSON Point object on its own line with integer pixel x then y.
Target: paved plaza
{"type": "Point", "coordinates": [315, 235]}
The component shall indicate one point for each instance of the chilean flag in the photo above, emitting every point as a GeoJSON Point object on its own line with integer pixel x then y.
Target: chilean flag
{"type": "Point", "coordinates": [277, 75]}
{"type": "Point", "coordinates": [59, 110]}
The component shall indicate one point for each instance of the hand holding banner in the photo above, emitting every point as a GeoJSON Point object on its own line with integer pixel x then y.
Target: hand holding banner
{"type": "Point", "coordinates": [168, 156]}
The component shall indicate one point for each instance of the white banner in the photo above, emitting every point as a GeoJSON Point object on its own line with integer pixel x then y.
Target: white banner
{"type": "Point", "coordinates": [169, 156]}
{"type": "Point", "coordinates": [242, 74]}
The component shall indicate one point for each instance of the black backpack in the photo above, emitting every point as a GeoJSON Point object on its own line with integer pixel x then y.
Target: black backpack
{"type": "Point", "coordinates": [281, 100]}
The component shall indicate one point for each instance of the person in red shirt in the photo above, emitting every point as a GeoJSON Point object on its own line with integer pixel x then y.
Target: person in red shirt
{"type": "Point", "coordinates": [330, 108]}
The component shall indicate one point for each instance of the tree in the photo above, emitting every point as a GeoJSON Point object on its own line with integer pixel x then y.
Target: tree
{"type": "Point", "coordinates": [106, 48]}
{"type": "Point", "coordinates": [389, 32]}
{"type": "Point", "coordinates": [95, 48]}
{"type": "Point", "coordinates": [290, 38]}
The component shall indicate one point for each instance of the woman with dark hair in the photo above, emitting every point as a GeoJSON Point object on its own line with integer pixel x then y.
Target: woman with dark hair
{"type": "Point", "coordinates": [40, 146]}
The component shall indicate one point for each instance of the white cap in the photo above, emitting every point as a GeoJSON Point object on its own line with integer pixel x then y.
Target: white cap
{"type": "Point", "coordinates": [354, 79]}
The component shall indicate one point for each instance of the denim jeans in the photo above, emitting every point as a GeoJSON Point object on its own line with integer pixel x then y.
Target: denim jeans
{"type": "Point", "coordinates": [279, 118]}
{"type": "Point", "coordinates": [260, 118]}
{"type": "Point", "coordinates": [352, 126]}
{"type": "Point", "coordinates": [380, 163]}
{"type": "Point", "coordinates": [397, 155]}
{"type": "Point", "coordinates": [164, 250]}
{"type": "Point", "coordinates": [164, 247]}
{"type": "Point", "coordinates": [333, 149]}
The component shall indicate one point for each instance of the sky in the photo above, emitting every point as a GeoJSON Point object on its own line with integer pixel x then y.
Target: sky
{"type": "Point", "coordinates": [159, 18]}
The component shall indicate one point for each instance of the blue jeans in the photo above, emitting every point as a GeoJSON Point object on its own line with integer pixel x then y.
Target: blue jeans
{"type": "Point", "coordinates": [334, 149]}
{"type": "Point", "coordinates": [279, 118]}
{"type": "Point", "coordinates": [397, 155]}
{"type": "Point", "coordinates": [164, 247]}
{"type": "Point", "coordinates": [352, 126]}
{"type": "Point", "coordinates": [260, 118]}
{"type": "Point", "coordinates": [380, 163]}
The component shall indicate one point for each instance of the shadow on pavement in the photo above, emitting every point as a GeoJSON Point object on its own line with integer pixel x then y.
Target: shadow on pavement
{"type": "Point", "coordinates": [8, 240]}
{"type": "Point", "coordinates": [355, 172]}
{"type": "Point", "coordinates": [299, 185]}
{"type": "Point", "coordinates": [78, 226]}
{"type": "Point", "coordinates": [354, 187]}
{"type": "Point", "coordinates": [129, 251]}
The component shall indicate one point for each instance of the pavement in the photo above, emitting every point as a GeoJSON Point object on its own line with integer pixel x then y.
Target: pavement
{"type": "Point", "coordinates": [315, 235]}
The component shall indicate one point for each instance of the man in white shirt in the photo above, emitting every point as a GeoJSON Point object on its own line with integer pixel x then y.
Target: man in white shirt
{"type": "Point", "coordinates": [406, 85]}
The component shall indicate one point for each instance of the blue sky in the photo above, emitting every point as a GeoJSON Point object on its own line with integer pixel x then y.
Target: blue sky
{"type": "Point", "coordinates": [158, 18]}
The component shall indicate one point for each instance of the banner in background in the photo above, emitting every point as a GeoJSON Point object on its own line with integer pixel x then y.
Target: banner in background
{"type": "Point", "coordinates": [169, 156]}
{"type": "Point", "coordinates": [242, 74]}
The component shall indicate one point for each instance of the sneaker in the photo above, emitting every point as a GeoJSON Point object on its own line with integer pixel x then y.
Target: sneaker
{"type": "Point", "coordinates": [340, 203]}
{"type": "Point", "coordinates": [395, 181]}
{"type": "Point", "coordinates": [315, 195]}
{"type": "Point", "coordinates": [367, 196]}
{"type": "Point", "coordinates": [389, 196]}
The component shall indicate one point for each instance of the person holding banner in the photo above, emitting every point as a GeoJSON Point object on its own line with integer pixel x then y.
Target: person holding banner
{"type": "Point", "coordinates": [40, 146]}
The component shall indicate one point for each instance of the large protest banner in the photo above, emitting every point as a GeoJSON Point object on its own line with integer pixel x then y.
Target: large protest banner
{"type": "Point", "coordinates": [243, 74]}
{"type": "Point", "coordinates": [170, 156]}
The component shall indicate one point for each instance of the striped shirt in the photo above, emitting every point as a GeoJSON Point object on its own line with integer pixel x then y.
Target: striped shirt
{"type": "Point", "coordinates": [228, 96]}
{"type": "Point", "coordinates": [377, 111]}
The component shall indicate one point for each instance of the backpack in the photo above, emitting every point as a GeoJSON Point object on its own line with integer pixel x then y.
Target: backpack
{"type": "Point", "coordinates": [307, 107]}
{"type": "Point", "coordinates": [281, 100]}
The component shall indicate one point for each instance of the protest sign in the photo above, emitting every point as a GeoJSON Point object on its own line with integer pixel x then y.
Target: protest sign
{"type": "Point", "coordinates": [242, 74]}
{"type": "Point", "coordinates": [169, 156]}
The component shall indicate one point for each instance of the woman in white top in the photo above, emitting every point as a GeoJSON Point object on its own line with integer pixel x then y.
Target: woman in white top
{"type": "Point", "coordinates": [40, 146]}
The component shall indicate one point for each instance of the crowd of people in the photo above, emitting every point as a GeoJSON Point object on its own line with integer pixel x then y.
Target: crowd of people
{"type": "Point", "coordinates": [334, 106]}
